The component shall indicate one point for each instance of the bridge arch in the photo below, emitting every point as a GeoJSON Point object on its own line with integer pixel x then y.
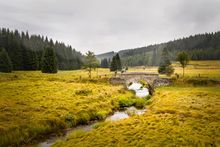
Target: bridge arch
{"type": "Point", "coordinates": [153, 80]}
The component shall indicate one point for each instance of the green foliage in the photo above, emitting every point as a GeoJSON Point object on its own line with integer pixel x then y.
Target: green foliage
{"type": "Point", "coordinates": [148, 97]}
{"type": "Point", "coordinates": [49, 61]}
{"type": "Point", "coordinates": [90, 62]}
{"type": "Point", "coordinates": [143, 83]}
{"type": "Point", "coordinates": [30, 61]}
{"type": "Point", "coordinates": [183, 58]}
{"type": "Point", "coordinates": [116, 63]}
{"type": "Point", "coordinates": [140, 103]}
{"type": "Point", "coordinates": [132, 101]}
{"type": "Point", "coordinates": [126, 102]}
{"type": "Point", "coordinates": [5, 61]}
{"type": "Point", "coordinates": [83, 118]}
{"type": "Point", "coordinates": [101, 115]}
{"type": "Point", "coordinates": [70, 120]}
{"type": "Point", "coordinates": [165, 64]}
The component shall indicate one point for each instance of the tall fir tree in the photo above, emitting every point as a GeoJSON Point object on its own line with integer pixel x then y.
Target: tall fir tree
{"type": "Point", "coordinates": [165, 66]}
{"type": "Point", "coordinates": [113, 66]}
{"type": "Point", "coordinates": [49, 61]}
{"type": "Point", "coordinates": [116, 63]}
{"type": "Point", "coordinates": [30, 61]}
{"type": "Point", "coordinates": [5, 61]}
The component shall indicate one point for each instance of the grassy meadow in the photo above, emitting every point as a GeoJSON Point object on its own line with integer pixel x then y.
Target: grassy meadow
{"type": "Point", "coordinates": [33, 105]}
{"type": "Point", "coordinates": [204, 69]}
{"type": "Point", "coordinates": [178, 116]}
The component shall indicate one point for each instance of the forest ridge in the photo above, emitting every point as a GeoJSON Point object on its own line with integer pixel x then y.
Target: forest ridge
{"type": "Point", "coordinates": [25, 51]}
{"type": "Point", "coordinates": [199, 47]}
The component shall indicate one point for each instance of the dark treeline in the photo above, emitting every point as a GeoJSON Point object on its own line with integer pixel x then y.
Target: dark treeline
{"type": "Point", "coordinates": [105, 63]}
{"type": "Point", "coordinates": [25, 51]}
{"type": "Point", "coordinates": [199, 47]}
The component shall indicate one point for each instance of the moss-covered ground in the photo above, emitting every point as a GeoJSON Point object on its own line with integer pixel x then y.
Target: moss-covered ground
{"type": "Point", "coordinates": [33, 104]}
{"type": "Point", "coordinates": [178, 116]}
{"type": "Point", "coordinates": [187, 113]}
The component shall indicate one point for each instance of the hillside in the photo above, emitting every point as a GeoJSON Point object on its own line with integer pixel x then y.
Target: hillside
{"type": "Point", "coordinates": [105, 55]}
{"type": "Point", "coordinates": [199, 47]}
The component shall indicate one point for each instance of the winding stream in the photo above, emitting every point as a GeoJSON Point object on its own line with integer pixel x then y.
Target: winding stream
{"type": "Point", "coordinates": [140, 91]}
{"type": "Point", "coordinates": [118, 115]}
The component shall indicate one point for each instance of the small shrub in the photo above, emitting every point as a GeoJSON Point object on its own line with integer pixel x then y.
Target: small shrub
{"type": "Point", "coordinates": [101, 115]}
{"type": "Point", "coordinates": [126, 102]}
{"type": "Point", "coordinates": [70, 120]}
{"type": "Point", "coordinates": [83, 92]}
{"type": "Point", "coordinates": [143, 83]}
{"type": "Point", "coordinates": [83, 118]}
{"type": "Point", "coordinates": [148, 97]}
{"type": "Point", "coordinates": [140, 103]}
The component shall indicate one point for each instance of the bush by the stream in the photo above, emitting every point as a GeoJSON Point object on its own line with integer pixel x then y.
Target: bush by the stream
{"type": "Point", "coordinates": [140, 103]}
{"type": "Point", "coordinates": [133, 101]}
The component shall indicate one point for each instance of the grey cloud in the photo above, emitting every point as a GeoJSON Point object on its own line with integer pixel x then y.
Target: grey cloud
{"type": "Point", "coordinates": [106, 25]}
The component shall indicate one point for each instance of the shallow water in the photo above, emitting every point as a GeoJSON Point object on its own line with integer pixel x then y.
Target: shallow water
{"type": "Point", "coordinates": [53, 138]}
{"type": "Point", "coordinates": [118, 115]}
{"type": "Point", "coordinates": [139, 91]}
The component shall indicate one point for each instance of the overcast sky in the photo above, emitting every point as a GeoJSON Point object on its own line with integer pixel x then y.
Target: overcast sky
{"type": "Point", "coordinates": [111, 25]}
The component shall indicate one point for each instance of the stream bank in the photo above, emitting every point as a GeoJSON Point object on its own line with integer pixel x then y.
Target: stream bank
{"type": "Point", "coordinates": [140, 92]}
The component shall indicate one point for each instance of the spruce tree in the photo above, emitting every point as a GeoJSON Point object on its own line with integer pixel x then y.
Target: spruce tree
{"type": "Point", "coordinates": [165, 66]}
{"type": "Point", "coordinates": [30, 61]}
{"type": "Point", "coordinates": [116, 63]}
{"type": "Point", "coordinates": [49, 61]}
{"type": "Point", "coordinates": [113, 66]}
{"type": "Point", "coordinates": [5, 61]}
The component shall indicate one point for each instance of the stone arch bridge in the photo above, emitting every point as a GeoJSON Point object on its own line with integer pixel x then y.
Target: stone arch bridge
{"type": "Point", "coordinates": [152, 79]}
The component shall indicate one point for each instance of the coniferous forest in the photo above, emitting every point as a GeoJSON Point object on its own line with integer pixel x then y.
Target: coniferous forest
{"type": "Point", "coordinates": [199, 47]}
{"type": "Point", "coordinates": [25, 51]}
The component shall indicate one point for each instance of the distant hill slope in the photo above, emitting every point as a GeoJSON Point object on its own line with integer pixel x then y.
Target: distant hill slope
{"type": "Point", "coordinates": [107, 55]}
{"type": "Point", "coordinates": [199, 47]}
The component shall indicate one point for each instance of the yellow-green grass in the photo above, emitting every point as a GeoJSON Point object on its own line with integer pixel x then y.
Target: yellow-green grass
{"type": "Point", "coordinates": [210, 69]}
{"type": "Point", "coordinates": [33, 104]}
{"type": "Point", "coordinates": [178, 116]}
